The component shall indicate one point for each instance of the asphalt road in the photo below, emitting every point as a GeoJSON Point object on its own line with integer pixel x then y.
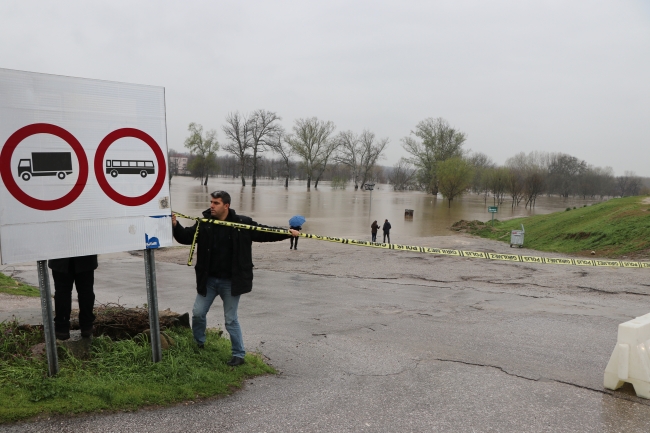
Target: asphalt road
{"type": "Point", "coordinates": [385, 341]}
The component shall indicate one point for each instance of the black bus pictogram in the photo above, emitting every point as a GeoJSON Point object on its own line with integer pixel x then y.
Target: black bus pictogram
{"type": "Point", "coordinates": [57, 164]}
{"type": "Point", "coordinates": [120, 166]}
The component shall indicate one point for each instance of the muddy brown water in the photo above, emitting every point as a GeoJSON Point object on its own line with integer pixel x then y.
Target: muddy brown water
{"type": "Point", "coordinates": [349, 213]}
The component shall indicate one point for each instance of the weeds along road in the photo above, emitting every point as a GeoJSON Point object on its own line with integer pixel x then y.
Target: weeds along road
{"type": "Point", "coordinates": [377, 340]}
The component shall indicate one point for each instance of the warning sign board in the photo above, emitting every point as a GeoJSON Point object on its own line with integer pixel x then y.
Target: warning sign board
{"type": "Point", "coordinates": [83, 167]}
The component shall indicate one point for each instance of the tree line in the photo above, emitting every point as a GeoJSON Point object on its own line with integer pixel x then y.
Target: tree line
{"type": "Point", "coordinates": [313, 142]}
{"type": "Point", "coordinates": [439, 163]}
{"type": "Point", "coordinates": [257, 145]}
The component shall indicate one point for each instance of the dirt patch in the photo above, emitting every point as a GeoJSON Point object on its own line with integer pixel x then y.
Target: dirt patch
{"type": "Point", "coordinates": [467, 226]}
{"type": "Point", "coordinates": [119, 322]}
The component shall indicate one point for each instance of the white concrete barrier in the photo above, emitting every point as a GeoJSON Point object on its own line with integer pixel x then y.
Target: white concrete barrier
{"type": "Point", "coordinates": [630, 361]}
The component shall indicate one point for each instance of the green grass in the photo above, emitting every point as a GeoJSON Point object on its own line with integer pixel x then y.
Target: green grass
{"type": "Point", "coordinates": [13, 287]}
{"type": "Point", "coordinates": [119, 375]}
{"type": "Point", "coordinates": [615, 228]}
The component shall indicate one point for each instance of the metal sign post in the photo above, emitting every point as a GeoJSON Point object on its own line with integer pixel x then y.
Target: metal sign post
{"type": "Point", "coordinates": [152, 303]}
{"type": "Point", "coordinates": [48, 318]}
{"type": "Point", "coordinates": [493, 210]}
{"type": "Point", "coordinates": [369, 187]}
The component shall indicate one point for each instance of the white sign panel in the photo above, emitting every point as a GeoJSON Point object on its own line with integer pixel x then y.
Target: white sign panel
{"type": "Point", "coordinates": [83, 167]}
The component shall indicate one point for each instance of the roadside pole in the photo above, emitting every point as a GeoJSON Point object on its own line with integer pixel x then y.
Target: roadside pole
{"type": "Point", "coordinates": [493, 210]}
{"type": "Point", "coordinates": [48, 318]}
{"type": "Point", "coordinates": [152, 303]}
{"type": "Point", "coordinates": [369, 187]}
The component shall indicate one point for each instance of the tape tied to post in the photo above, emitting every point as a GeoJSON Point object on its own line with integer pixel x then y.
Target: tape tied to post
{"type": "Point", "coordinates": [417, 249]}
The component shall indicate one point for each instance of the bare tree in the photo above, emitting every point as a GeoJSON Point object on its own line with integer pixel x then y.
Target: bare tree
{"type": "Point", "coordinates": [264, 129]}
{"type": "Point", "coordinates": [534, 184]}
{"type": "Point", "coordinates": [285, 151]}
{"type": "Point", "coordinates": [401, 176]}
{"type": "Point", "coordinates": [628, 185]}
{"type": "Point", "coordinates": [480, 180]}
{"type": "Point", "coordinates": [515, 185]}
{"type": "Point", "coordinates": [360, 153]}
{"type": "Point", "coordinates": [564, 171]}
{"type": "Point", "coordinates": [498, 178]}
{"type": "Point", "coordinates": [349, 154]}
{"type": "Point", "coordinates": [371, 152]}
{"type": "Point", "coordinates": [328, 150]}
{"type": "Point", "coordinates": [205, 148]}
{"type": "Point", "coordinates": [238, 133]}
{"type": "Point", "coordinates": [309, 141]}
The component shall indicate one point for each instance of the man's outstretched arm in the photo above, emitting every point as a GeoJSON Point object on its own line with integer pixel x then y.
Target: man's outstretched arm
{"type": "Point", "coordinates": [183, 235]}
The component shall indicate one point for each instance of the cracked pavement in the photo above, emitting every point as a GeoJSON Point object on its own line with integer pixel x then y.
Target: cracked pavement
{"type": "Point", "coordinates": [382, 341]}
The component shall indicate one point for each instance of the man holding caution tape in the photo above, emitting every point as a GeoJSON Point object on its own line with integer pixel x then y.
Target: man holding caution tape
{"type": "Point", "coordinates": [224, 266]}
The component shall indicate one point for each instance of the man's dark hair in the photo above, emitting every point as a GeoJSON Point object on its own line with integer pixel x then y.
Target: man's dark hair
{"type": "Point", "coordinates": [223, 195]}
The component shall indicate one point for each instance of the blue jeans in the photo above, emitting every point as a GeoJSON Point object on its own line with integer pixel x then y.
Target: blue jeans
{"type": "Point", "coordinates": [374, 237]}
{"type": "Point", "coordinates": [218, 287]}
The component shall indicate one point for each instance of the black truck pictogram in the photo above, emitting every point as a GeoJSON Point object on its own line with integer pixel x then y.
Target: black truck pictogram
{"type": "Point", "coordinates": [57, 164]}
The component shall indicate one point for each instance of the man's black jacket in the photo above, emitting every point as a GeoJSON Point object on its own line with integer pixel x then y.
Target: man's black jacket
{"type": "Point", "coordinates": [74, 265]}
{"type": "Point", "coordinates": [242, 255]}
{"type": "Point", "coordinates": [386, 227]}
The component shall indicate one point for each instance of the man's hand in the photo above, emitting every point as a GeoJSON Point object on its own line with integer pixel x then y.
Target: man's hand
{"type": "Point", "coordinates": [174, 222]}
{"type": "Point", "coordinates": [294, 233]}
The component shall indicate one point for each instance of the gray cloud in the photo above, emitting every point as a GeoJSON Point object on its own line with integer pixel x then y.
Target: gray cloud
{"type": "Point", "coordinates": [515, 76]}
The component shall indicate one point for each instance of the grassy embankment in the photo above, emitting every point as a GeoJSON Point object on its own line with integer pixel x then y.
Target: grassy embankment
{"type": "Point", "coordinates": [118, 375]}
{"type": "Point", "coordinates": [13, 287]}
{"type": "Point", "coordinates": [615, 228]}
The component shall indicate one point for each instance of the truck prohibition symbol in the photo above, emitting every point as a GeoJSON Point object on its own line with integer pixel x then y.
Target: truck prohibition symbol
{"type": "Point", "coordinates": [57, 164]}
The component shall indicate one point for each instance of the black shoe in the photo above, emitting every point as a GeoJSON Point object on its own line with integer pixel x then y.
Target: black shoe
{"type": "Point", "coordinates": [236, 361]}
{"type": "Point", "coordinates": [62, 335]}
{"type": "Point", "coordinates": [200, 345]}
{"type": "Point", "coordinates": [87, 332]}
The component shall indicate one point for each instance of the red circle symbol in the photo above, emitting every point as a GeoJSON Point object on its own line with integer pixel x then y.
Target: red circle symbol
{"type": "Point", "coordinates": [101, 177]}
{"type": "Point", "coordinates": [5, 166]}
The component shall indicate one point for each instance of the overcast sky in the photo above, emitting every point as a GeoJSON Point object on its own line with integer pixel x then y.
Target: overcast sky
{"type": "Point", "coordinates": [560, 76]}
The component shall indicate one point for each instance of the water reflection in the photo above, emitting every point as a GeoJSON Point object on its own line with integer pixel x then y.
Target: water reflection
{"type": "Point", "coordinates": [348, 213]}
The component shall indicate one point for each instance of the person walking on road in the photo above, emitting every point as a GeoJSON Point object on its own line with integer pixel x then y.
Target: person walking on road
{"type": "Point", "coordinates": [80, 272]}
{"type": "Point", "coordinates": [386, 229]}
{"type": "Point", "coordinates": [373, 230]}
{"type": "Point", "coordinates": [224, 267]}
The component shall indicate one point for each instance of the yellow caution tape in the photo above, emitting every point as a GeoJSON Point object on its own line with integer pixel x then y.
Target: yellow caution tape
{"type": "Point", "coordinates": [441, 251]}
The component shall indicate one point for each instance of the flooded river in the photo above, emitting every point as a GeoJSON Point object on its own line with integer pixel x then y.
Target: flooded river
{"type": "Point", "coordinates": [349, 213]}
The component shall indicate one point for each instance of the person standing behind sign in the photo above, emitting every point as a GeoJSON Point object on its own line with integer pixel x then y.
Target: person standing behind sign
{"type": "Point", "coordinates": [224, 267]}
{"type": "Point", "coordinates": [386, 229]}
{"type": "Point", "coordinates": [80, 272]}
{"type": "Point", "coordinates": [373, 230]}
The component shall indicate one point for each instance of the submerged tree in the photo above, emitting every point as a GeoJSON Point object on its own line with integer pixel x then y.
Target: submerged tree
{"type": "Point", "coordinates": [454, 177]}
{"type": "Point", "coordinates": [239, 136]}
{"type": "Point", "coordinates": [264, 130]}
{"type": "Point", "coordinates": [205, 150]}
{"type": "Point", "coordinates": [360, 153]}
{"type": "Point", "coordinates": [310, 141]}
{"type": "Point", "coordinates": [402, 175]}
{"type": "Point", "coordinates": [285, 151]}
{"type": "Point", "coordinates": [435, 141]}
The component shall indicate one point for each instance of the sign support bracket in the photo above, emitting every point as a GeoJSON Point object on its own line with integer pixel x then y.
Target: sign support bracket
{"type": "Point", "coordinates": [48, 318]}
